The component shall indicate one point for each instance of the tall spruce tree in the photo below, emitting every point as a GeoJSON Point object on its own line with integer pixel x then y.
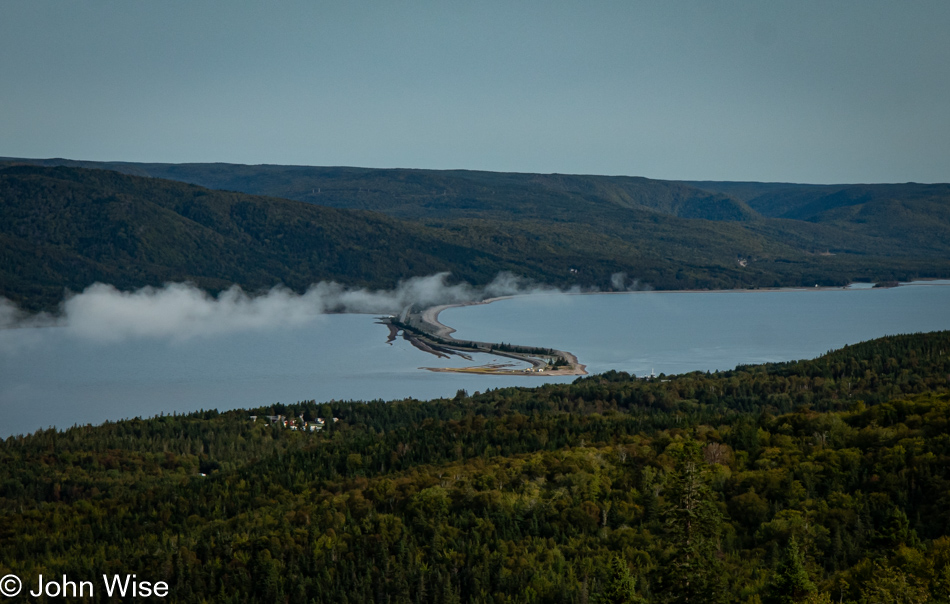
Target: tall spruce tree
{"type": "Point", "coordinates": [692, 572]}
{"type": "Point", "coordinates": [790, 582]}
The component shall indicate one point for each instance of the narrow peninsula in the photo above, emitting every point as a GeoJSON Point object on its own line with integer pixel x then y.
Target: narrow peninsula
{"type": "Point", "coordinates": [423, 330]}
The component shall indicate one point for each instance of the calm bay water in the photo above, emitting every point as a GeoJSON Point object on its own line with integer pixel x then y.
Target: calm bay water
{"type": "Point", "coordinates": [676, 332]}
{"type": "Point", "coordinates": [50, 376]}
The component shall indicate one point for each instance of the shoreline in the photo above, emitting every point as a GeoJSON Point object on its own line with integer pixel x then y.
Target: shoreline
{"type": "Point", "coordinates": [432, 326]}
{"type": "Point", "coordinates": [430, 315]}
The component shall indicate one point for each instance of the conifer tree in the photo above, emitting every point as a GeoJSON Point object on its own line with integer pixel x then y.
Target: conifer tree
{"type": "Point", "coordinates": [621, 585]}
{"type": "Point", "coordinates": [693, 523]}
{"type": "Point", "coordinates": [790, 582]}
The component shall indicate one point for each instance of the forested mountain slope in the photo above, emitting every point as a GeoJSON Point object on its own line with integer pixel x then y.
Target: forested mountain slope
{"type": "Point", "coordinates": [901, 220]}
{"type": "Point", "coordinates": [581, 199]}
{"type": "Point", "coordinates": [808, 202]}
{"type": "Point", "coordinates": [812, 481]}
{"type": "Point", "coordinates": [446, 193]}
{"type": "Point", "coordinates": [67, 227]}
{"type": "Point", "coordinates": [891, 215]}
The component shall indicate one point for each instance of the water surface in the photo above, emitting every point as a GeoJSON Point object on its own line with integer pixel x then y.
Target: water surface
{"type": "Point", "coordinates": [50, 376]}
{"type": "Point", "coordinates": [676, 332]}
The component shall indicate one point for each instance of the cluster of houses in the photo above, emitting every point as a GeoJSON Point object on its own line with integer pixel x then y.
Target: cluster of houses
{"type": "Point", "coordinates": [296, 423]}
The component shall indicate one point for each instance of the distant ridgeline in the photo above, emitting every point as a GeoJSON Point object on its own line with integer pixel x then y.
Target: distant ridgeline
{"type": "Point", "coordinates": [812, 481]}
{"type": "Point", "coordinates": [65, 225]}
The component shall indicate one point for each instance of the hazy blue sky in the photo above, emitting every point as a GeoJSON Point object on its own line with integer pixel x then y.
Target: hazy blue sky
{"type": "Point", "coordinates": [805, 91]}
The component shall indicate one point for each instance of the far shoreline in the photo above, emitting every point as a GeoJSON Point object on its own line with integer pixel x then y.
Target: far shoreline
{"type": "Point", "coordinates": [432, 312]}
{"type": "Point", "coordinates": [430, 315]}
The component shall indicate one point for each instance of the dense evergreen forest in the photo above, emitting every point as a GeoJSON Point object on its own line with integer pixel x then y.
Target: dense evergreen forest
{"type": "Point", "coordinates": [66, 227]}
{"type": "Point", "coordinates": [812, 481]}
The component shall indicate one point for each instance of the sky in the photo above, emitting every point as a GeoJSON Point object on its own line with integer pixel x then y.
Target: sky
{"type": "Point", "coordinates": [837, 91]}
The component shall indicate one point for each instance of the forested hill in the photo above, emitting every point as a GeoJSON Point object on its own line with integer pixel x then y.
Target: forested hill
{"type": "Point", "coordinates": [446, 194]}
{"type": "Point", "coordinates": [810, 202]}
{"type": "Point", "coordinates": [67, 227]}
{"type": "Point", "coordinates": [812, 481]}
{"type": "Point", "coordinates": [70, 227]}
{"type": "Point", "coordinates": [878, 210]}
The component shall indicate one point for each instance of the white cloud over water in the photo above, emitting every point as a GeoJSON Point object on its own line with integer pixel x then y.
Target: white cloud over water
{"type": "Point", "coordinates": [621, 283]}
{"type": "Point", "coordinates": [181, 311]}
